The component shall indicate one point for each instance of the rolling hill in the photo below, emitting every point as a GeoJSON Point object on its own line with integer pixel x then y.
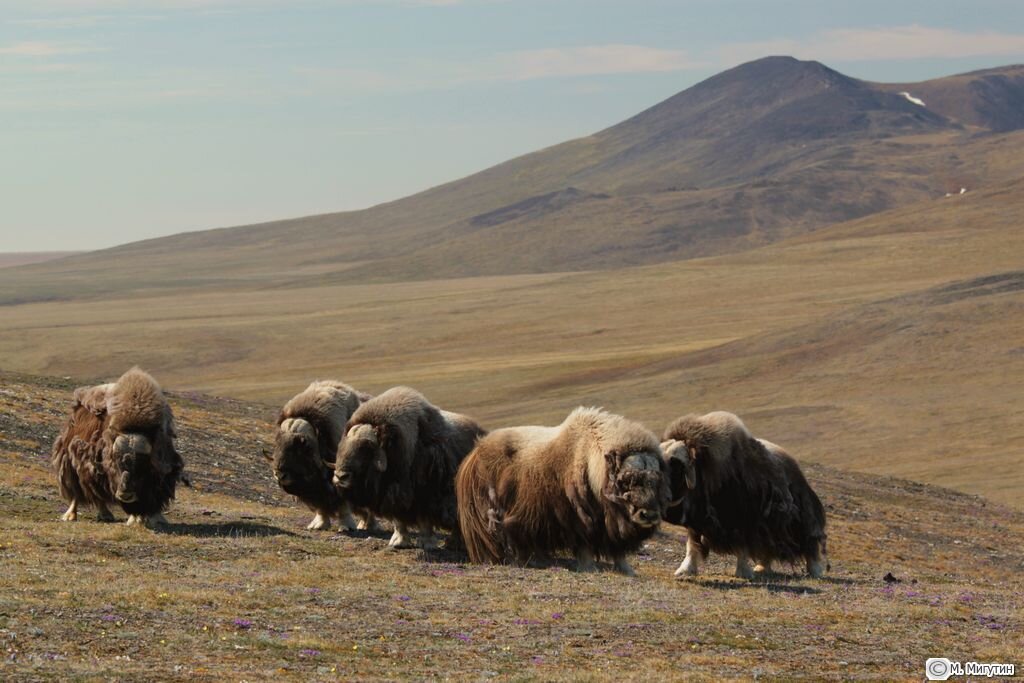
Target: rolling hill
{"type": "Point", "coordinates": [766, 151]}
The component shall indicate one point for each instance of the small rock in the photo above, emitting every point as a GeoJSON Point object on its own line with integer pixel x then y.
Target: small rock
{"type": "Point", "coordinates": [889, 578]}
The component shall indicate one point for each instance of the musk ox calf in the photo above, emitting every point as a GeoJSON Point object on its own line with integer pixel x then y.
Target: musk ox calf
{"type": "Point", "coordinates": [118, 446]}
{"type": "Point", "coordinates": [399, 458]}
{"type": "Point", "coordinates": [309, 429]}
{"type": "Point", "coordinates": [739, 495]}
{"type": "Point", "coordinates": [595, 486]}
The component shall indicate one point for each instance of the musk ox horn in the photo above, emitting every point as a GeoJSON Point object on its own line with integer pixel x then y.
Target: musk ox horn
{"type": "Point", "coordinates": [678, 450]}
{"type": "Point", "coordinates": [640, 461]}
{"type": "Point", "coordinates": [132, 443]}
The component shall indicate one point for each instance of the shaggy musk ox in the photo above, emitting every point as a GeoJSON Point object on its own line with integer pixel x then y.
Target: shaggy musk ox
{"type": "Point", "coordinates": [118, 446]}
{"type": "Point", "coordinates": [399, 458]}
{"type": "Point", "coordinates": [596, 486]}
{"type": "Point", "coordinates": [739, 495]}
{"type": "Point", "coordinates": [309, 429]}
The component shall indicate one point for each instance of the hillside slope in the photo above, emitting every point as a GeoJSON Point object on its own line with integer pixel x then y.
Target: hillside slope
{"type": "Point", "coordinates": [767, 150]}
{"type": "Point", "coordinates": [236, 588]}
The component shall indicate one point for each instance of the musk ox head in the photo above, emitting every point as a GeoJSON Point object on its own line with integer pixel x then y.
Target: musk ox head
{"type": "Point", "coordinates": [637, 483]}
{"type": "Point", "coordinates": [362, 459]}
{"type": "Point", "coordinates": [681, 460]}
{"type": "Point", "coordinates": [134, 466]}
{"type": "Point", "coordinates": [299, 467]}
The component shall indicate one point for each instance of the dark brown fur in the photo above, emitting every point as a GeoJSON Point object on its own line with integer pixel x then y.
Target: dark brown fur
{"type": "Point", "coordinates": [749, 497]}
{"type": "Point", "coordinates": [87, 467]}
{"type": "Point", "coordinates": [304, 464]}
{"type": "Point", "coordinates": [399, 458]}
{"type": "Point", "coordinates": [529, 492]}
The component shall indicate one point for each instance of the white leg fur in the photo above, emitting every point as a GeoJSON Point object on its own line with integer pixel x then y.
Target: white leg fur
{"type": "Point", "coordinates": [72, 513]}
{"type": "Point", "coordinates": [320, 522]}
{"type": "Point", "coordinates": [400, 538]}
{"type": "Point", "coordinates": [585, 560]}
{"type": "Point", "coordinates": [368, 523]}
{"type": "Point", "coordinates": [133, 520]}
{"type": "Point", "coordinates": [345, 519]}
{"type": "Point", "coordinates": [743, 568]}
{"type": "Point", "coordinates": [763, 567]}
{"type": "Point", "coordinates": [691, 563]}
{"type": "Point", "coordinates": [103, 513]}
{"type": "Point", "coordinates": [622, 566]}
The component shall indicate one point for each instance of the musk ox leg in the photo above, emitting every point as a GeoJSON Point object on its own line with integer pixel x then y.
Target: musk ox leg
{"type": "Point", "coordinates": [154, 521]}
{"type": "Point", "coordinates": [345, 519]}
{"type": "Point", "coordinates": [103, 513]}
{"type": "Point", "coordinates": [696, 553]}
{"type": "Point", "coordinates": [585, 561]}
{"type": "Point", "coordinates": [134, 520]}
{"type": "Point", "coordinates": [320, 522]}
{"type": "Point", "coordinates": [622, 566]}
{"type": "Point", "coordinates": [816, 566]}
{"type": "Point", "coordinates": [72, 513]}
{"type": "Point", "coordinates": [428, 539]}
{"type": "Point", "coordinates": [400, 539]}
{"type": "Point", "coordinates": [368, 522]}
{"type": "Point", "coordinates": [743, 569]}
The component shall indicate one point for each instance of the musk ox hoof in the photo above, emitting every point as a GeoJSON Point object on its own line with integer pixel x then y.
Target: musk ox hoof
{"type": "Point", "coordinates": [400, 541]}
{"type": "Point", "coordinates": [134, 520]}
{"type": "Point", "coordinates": [156, 521]}
{"type": "Point", "coordinates": [368, 524]}
{"type": "Point", "coordinates": [622, 567]}
{"type": "Point", "coordinates": [816, 569]}
{"type": "Point", "coordinates": [319, 523]}
{"type": "Point", "coordinates": [687, 568]}
{"type": "Point", "coordinates": [762, 568]}
{"type": "Point", "coordinates": [744, 571]}
{"type": "Point", "coordinates": [347, 522]}
{"type": "Point", "coordinates": [104, 515]}
{"type": "Point", "coordinates": [69, 516]}
{"type": "Point", "coordinates": [430, 542]}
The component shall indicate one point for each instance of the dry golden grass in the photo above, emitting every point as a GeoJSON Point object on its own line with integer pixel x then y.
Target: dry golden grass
{"type": "Point", "coordinates": [820, 342]}
{"type": "Point", "coordinates": [236, 589]}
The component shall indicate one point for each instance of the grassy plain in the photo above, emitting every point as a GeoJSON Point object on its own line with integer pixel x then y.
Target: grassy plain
{"type": "Point", "coordinates": [841, 345]}
{"type": "Point", "coordinates": [236, 589]}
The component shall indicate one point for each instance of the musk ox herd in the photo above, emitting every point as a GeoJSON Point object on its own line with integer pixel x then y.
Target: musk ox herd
{"type": "Point", "coordinates": [594, 487]}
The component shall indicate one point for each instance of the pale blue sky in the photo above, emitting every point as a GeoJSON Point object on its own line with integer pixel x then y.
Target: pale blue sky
{"type": "Point", "coordinates": [126, 119]}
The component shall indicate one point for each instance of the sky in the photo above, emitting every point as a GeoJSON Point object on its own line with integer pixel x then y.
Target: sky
{"type": "Point", "coordinates": [122, 120]}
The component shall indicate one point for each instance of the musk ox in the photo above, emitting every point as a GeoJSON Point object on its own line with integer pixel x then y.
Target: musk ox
{"type": "Point", "coordinates": [595, 486]}
{"type": "Point", "coordinates": [739, 495]}
{"type": "Point", "coordinates": [309, 429]}
{"type": "Point", "coordinates": [399, 458]}
{"type": "Point", "coordinates": [118, 446]}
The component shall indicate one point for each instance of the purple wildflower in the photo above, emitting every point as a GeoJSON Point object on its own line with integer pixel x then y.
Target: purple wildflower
{"type": "Point", "coordinates": [537, 659]}
{"type": "Point", "coordinates": [557, 615]}
{"type": "Point", "coordinates": [243, 623]}
{"type": "Point", "coordinates": [463, 637]}
{"type": "Point", "coordinates": [110, 617]}
{"type": "Point", "coordinates": [525, 622]}
{"type": "Point", "coordinates": [307, 652]}
{"type": "Point", "coordinates": [403, 598]}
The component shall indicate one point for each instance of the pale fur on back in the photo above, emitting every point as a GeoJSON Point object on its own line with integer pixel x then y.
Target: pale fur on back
{"type": "Point", "coordinates": [135, 403]}
{"type": "Point", "coordinates": [326, 403]}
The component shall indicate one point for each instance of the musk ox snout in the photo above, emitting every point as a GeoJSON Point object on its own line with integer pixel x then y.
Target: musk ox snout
{"type": "Point", "coordinates": [360, 456]}
{"type": "Point", "coordinates": [124, 493]}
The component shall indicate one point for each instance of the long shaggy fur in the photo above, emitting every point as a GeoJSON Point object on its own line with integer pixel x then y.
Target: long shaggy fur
{"type": "Point", "coordinates": [529, 492]}
{"type": "Point", "coordinates": [95, 456]}
{"type": "Point", "coordinates": [309, 429]}
{"type": "Point", "coordinates": [748, 498]}
{"type": "Point", "coordinates": [399, 458]}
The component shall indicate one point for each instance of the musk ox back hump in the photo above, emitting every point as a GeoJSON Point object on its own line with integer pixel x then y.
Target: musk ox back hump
{"type": "Point", "coordinates": [136, 404]}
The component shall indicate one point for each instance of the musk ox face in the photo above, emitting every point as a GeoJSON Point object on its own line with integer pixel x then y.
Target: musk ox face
{"type": "Point", "coordinates": [133, 466]}
{"type": "Point", "coordinates": [361, 459]}
{"type": "Point", "coordinates": [638, 484]}
{"type": "Point", "coordinates": [682, 477]}
{"type": "Point", "coordinates": [298, 466]}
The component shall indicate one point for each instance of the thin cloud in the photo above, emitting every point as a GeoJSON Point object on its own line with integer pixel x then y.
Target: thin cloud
{"type": "Point", "coordinates": [39, 49]}
{"type": "Point", "coordinates": [514, 66]}
{"type": "Point", "coordinates": [883, 43]}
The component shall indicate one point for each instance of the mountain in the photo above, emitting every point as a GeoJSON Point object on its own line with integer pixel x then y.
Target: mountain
{"type": "Point", "coordinates": [768, 150]}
